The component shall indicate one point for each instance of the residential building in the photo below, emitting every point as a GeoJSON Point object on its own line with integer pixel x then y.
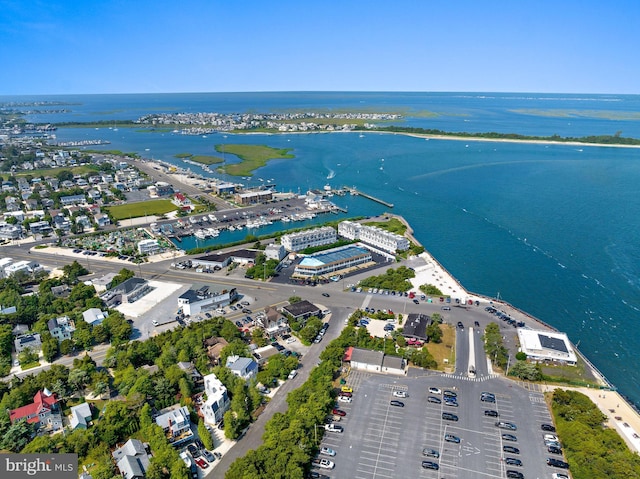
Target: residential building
{"type": "Point", "coordinates": [149, 246]}
{"type": "Point", "coordinates": [373, 236]}
{"type": "Point", "coordinates": [72, 200]}
{"type": "Point", "coordinates": [415, 327]}
{"type": "Point", "coordinates": [263, 354]}
{"type": "Point", "coordinates": [176, 425]}
{"type": "Point", "coordinates": [80, 416]}
{"type": "Point", "coordinates": [40, 228]}
{"type": "Point", "coordinates": [26, 266]}
{"type": "Point", "coordinates": [194, 301]}
{"type": "Point", "coordinates": [94, 316]}
{"type": "Point", "coordinates": [182, 202]}
{"type": "Point", "coordinates": [132, 459]}
{"type": "Point", "coordinates": [253, 197]}
{"type": "Point", "coordinates": [214, 347]}
{"type": "Point", "coordinates": [190, 369]}
{"type": "Point", "coordinates": [28, 341]}
{"type": "Point", "coordinates": [10, 232]}
{"type": "Point", "coordinates": [44, 411]}
{"type": "Point", "coordinates": [275, 251]}
{"type": "Point", "coordinates": [102, 220]}
{"type": "Point", "coordinates": [374, 361]}
{"type": "Point", "coordinates": [61, 328]}
{"type": "Point", "coordinates": [309, 238]}
{"type": "Point", "coordinates": [244, 368]}
{"type": "Point", "coordinates": [217, 402]}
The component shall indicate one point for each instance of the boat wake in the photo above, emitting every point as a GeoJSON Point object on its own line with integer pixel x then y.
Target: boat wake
{"type": "Point", "coordinates": [331, 174]}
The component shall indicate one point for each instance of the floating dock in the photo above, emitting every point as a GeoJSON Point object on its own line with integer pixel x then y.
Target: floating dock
{"type": "Point", "coordinates": [356, 192]}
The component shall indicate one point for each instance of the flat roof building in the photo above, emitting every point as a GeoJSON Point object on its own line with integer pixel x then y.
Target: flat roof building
{"type": "Point", "coordinates": [546, 346]}
{"type": "Point", "coordinates": [309, 238]}
{"type": "Point", "coordinates": [332, 260]}
{"type": "Point", "coordinates": [374, 236]}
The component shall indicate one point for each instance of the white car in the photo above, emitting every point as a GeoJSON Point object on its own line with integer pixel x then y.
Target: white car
{"type": "Point", "coordinates": [344, 399]}
{"type": "Point", "coordinates": [551, 437]}
{"type": "Point", "coordinates": [292, 374]}
{"type": "Point", "coordinates": [325, 464]}
{"type": "Point", "coordinates": [290, 340]}
{"type": "Point", "coordinates": [400, 394]}
{"type": "Point", "coordinates": [435, 391]}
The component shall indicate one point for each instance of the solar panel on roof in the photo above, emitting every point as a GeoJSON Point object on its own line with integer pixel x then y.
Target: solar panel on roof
{"type": "Point", "coordinates": [556, 344]}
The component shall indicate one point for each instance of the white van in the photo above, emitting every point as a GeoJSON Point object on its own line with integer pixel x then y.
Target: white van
{"type": "Point", "coordinates": [292, 374]}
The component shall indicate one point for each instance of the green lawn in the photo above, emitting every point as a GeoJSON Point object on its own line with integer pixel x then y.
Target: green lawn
{"type": "Point", "coordinates": [394, 225]}
{"type": "Point", "coordinates": [143, 208]}
{"type": "Point", "coordinates": [252, 156]}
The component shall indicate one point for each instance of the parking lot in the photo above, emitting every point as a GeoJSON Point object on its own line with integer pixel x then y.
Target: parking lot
{"type": "Point", "coordinates": [385, 441]}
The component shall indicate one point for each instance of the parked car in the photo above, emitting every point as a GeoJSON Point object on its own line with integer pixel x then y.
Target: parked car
{"type": "Point", "coordinates": [400, 394]}
{"type": "Point", "coordinates": [554, 450]}
{"type": "Point", "coordinates": [292, 374]}
{"type": "Point", "coordinates": [435, 391]}
{"type": "Point", "coordinates": [512, 461]}
{"type": "Point", "coordinates": [345, 394]}
{"type": "Point", "coordinates": [333, 428]}
{"type": "Point", "coordinates": [326, 295]}
{"type": "Point", "coordinates": [447, 416]}
{"type": "Point", "coordinates": [452, 438]}
{"type": "Point", "coordinates": [506, 425]}
{"type": "Point", "coordinates": [509, 437]}
{"type": "Point", "coordinates": [396, 403]}
{"type": "Point", "coordinates": [327, 451]}
{"type": "Point", "coordinates": [433, 399]}
{"type": "Point", "coordinates": [430, 465]}
{"type": "Point", "coordinates": [346, 389]}
{"type": "Point", "coordinates": [430, 452]}
{"type": "Point", "coordinates": [557, 463]}
{"type": "Point", "coordinates": [491, 413]}
{"type": "Point", "coordinates": [202, 464]}
{"type": "Point", "coordinates": [344, 399]}
{"type": "Point", "coordinates": [338, 412]}
{"type": "Point", "coordinates": [511, 449]}
{"type": "Point", "coordinates": [448, 393]}
{"type": "Point", "coordinates": [323, 463]}
{"type": "Point", "coordinates": [194, 451]}
{"type": "Point", "coordinates": [208, 456]}
{"type": "Point", "coordinates": [548, 427]}
{"type": "Point", "coordinates": [511, 474]}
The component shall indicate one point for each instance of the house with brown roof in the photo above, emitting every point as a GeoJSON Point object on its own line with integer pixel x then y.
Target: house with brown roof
{"type": "Point", "coordinates": [214, 347]}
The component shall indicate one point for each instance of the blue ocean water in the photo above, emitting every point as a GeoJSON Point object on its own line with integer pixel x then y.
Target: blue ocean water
{"type": "Point", "coordinates": [553, 228]}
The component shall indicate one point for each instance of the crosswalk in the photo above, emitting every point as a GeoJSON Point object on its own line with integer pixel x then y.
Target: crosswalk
{"type": "Point", "coordinates": [467, 378]}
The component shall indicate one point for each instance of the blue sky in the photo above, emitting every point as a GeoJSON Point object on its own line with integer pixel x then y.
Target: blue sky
{"type": "Point", "coordinates": [140, 46]}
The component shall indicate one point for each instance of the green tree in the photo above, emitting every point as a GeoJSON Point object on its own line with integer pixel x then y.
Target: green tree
{"type": "Point", "coordinates": [17, 436]}
{"type": "Point", "coordinates": [205, 435]}
{"type": "Point", "coordinates": [526, 371]}
{"type": "Point", "coordinates": [49, 348]}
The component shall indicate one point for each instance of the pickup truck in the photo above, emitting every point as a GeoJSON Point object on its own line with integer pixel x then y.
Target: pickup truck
{"type": "Point", "coordinates": [333, 428]}
{"type": "Point", "coordinates": [323, 463]}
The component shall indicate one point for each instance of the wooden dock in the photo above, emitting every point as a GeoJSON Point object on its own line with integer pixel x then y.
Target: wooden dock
{"type": "Point", "coordinates": [356, 192]}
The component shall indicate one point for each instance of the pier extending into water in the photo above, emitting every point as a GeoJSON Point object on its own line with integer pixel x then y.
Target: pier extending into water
{"type": "Point", "coordinates": [356, 192]}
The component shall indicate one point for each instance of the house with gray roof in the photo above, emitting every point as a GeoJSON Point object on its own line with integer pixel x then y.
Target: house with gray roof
{"type": "Point", "coordinates": [28, 341]}
{"type": "Point", "coordinates": [176, 425]}
{"type": "Point", "coordinates": [132, 459]}
{"type": "Point", "coordinates": [61, 328]}
{"type": "Point", "coordinates": [94, 316]}
{"type": "Point", "coordinates": [80, 416]}
{"type": "Point", "coordinates": [245, 368]}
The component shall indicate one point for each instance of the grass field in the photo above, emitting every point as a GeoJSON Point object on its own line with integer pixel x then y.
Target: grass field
{"type": "Point", "coordinates": [445, 349]}
{"type": "Point", "coordinates": [394, 225]}
{"type": "Point", "coordinates": [252, 156]}
{"type": "Point", "coordinates": [204, 159]}
{"type": "Point", "coordinates": [143, 208]}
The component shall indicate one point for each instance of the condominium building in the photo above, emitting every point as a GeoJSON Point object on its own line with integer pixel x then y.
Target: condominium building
{"type": "Point", "coordinates": [373, 236]}
{"type": "Point", "coordinates": [309, 238]}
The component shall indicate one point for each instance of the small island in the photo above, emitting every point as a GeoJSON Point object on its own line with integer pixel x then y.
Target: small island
{"type": "Point", "coordinates": [202, 159]}
{"type": "Point", "coordinates": [252, 156]}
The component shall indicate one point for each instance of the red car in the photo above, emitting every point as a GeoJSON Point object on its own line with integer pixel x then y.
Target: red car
{"type": "Point", "coordinates": [344, 394]}
{"type": "Point", "coordinates": [339, 412]}
{"type": "Point", "coordinates": [202, 463]}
